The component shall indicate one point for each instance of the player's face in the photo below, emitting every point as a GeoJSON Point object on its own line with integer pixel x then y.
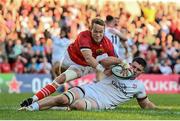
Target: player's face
{"type": "Point", "coordinates": [137, 68]}
{"type": "Point", "coordinates": [97, 32]}
{"type": "Point", "coordinates": [116, 22]}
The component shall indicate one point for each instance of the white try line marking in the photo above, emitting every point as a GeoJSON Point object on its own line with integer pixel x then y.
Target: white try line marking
{"type": "Point", "coordinates": [163, 110]}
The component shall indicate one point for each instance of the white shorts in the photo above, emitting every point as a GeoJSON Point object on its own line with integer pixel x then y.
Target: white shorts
{"type": "Point", "coordinates": [66, 62]}
{"type": "Point", "coordinates": [97, 97]}
{"type": "Point", "coordinates": [79, 95]}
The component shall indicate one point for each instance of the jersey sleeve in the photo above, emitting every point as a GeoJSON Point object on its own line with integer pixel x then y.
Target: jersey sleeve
{"type": "Point", "coordinates": [142, 91]}
{"type": "Point", "coordinates": [83, 40]}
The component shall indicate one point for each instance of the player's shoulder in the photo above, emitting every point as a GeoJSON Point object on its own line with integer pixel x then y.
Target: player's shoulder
{"type": "Point", "coordinates": [84, 35]}
{"type": "Point", "coordinates": [140, 84]}
{"type": "Point", "coordinates": [106, 39]}
{"type": "Point", "coordinates": [107, 29]}
{"type": "Point", "coordinates": [86, 32]}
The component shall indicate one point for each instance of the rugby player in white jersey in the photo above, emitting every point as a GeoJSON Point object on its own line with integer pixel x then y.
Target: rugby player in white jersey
{"type": "Point", "coordinates": [105, 94]}
{"type": "Point", "coordinates": [116, 37]}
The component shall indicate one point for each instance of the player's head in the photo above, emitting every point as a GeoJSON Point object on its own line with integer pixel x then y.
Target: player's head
{"type": "Point", "coordinates": [97, 29]}
{"type": "Point", "coordinates": [138, 66]}
{"type": "Point", "coordinates": [110, 21]}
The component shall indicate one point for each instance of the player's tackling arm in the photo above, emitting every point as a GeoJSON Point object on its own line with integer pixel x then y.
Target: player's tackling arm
{"type": "Point", "coordinates": [87, 54]}
{"type": "Point", "coordinates": [146, 103]}
{"type": "Point", "coordinates": [109, 61]}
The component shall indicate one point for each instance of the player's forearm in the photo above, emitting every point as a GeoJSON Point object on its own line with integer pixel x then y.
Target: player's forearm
{"type": "Point", "coordinates": [91, 61]}
{"type": "Point", "coordinates": [107, 62]}
{"type": "Point", "coordinates": [150, 105]}
{"type": "Point", "coordinates": [146, 104]}
{"type": "Point", "coordinates": [122, 36]}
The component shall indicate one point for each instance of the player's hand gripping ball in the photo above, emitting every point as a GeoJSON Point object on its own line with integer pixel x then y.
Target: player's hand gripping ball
{"type": "Point", "coordinates": [121, 72]}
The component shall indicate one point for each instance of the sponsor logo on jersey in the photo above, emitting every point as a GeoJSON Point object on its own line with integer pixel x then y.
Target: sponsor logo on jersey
{"type": "Point", "coordinates": [121, 86]}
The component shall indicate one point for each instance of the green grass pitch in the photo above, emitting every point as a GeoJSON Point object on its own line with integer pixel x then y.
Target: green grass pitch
{"type": "Point", "coordinates": [169, 110]}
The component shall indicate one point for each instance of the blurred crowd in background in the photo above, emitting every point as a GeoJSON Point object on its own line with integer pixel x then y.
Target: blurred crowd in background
{"type": "Point", "coordinates": [31, 29]}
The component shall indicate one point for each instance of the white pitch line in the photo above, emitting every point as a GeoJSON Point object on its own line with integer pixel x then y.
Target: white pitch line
{"type": "Point", "coordinates": [151, 111]}
{"type": "Point", "coordinates": [124, 110]}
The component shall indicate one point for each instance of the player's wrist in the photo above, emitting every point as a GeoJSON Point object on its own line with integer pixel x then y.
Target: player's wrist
{"type": "Point", "coordinates": [125, 64]}
{"type": "Point", "coordinates": [100, 68]}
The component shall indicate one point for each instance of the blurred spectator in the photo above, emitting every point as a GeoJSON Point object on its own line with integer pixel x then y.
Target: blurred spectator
{"type": "Point", "coordinates": [165, 67]}
{"type": "Point", "coordinates": [156, 46]}
{"type": "Point", "coordinates": [18, 47]}
{"type": "Point", "coordinates": [10, 52]}
{"type": "Point", "coordinates": [164, 24]}
{"type": "Point", "coordinates": [5, 67]}
{"type": "Point", "coordinates": [33, 66]}
{"type": "Point", "coordinates": [149, 11]}
{"type": "Point", "coordinates": [26, 55]}
{"type": "Point", "coordinates": [2, 50]}
{"type": "Point", "coordinates": [47, 44]}
{"type": "Point", "coordinates": [176, 29]}
{"type": "Point", "coordinates": [177, 67]}
{"type": "Point", "coordinates": [18, 65]}
{"type": "Point", "coordinates": [38, 49]}
{"type": "Point", "coordinates": [45, 66]}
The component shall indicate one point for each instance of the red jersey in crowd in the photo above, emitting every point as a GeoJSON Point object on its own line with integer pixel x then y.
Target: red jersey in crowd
{"type": "Point", "coordinates": [5, 68]}
{"type": "Point", "coordinates": [84, 40]}
{"type": "Point", "coordinates": [18, 67]}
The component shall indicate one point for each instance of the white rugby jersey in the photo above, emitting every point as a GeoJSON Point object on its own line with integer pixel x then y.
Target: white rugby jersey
{"type": "Point", "coordinates": [59, 47]}
{"type": "Point", "coordinates": [112, 91]}
{"type": "Point", "coordinates": [115, 40]}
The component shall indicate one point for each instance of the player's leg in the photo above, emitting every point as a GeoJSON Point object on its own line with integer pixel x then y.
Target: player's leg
{"type": "Point", "coordinates": [84, 104]}
{"type": "Point", "coordinates": [58, 68]}
{"type": "Point", "coordinates": [45, 103]}
{"type": "Point", "coordinates": [63, 100]}
{"type": "Point", "coordinates": [55, 69]}
{"type": "Point", "coordinates": [68, 75]}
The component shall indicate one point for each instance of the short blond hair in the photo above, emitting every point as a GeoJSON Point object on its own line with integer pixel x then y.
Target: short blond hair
{"type": "Point", "coordinates": [97, 21]}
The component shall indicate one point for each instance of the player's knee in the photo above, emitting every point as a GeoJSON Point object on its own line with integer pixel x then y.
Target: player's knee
{"type": "Point", "coordinates": [70, 75]}
{"type": "Point", "coordinates": [61, 100]}
{"type": "Point", "coordinates": [78, 105]}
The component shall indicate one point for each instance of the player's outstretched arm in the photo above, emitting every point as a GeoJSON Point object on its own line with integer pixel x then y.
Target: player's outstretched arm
{"type": "Point", "coordinates": [109, 61]}
{"type": "Point", "coordinates": [146, 103]}
{"type": "Point", "coordinates": [87, 54]}
{"type": "Point", "coordinates": [119, 34]}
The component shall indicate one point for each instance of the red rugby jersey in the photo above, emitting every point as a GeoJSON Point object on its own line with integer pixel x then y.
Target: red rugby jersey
{"type": "Point", "coordinates": [85, 40]}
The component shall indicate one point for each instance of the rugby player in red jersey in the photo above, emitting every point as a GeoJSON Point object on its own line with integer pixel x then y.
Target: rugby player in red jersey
{"type": "Point", "coordinates": [82, 57]}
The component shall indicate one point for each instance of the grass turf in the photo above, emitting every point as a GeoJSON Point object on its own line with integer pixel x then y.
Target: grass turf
{"type": "Point", "coordinates": [169, 109]}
